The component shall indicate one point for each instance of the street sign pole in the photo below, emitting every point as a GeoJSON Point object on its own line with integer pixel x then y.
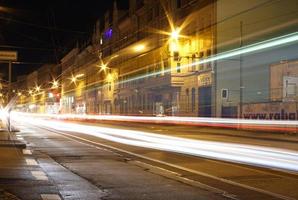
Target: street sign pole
{"type": "Point", "coordinates": [9, 80]}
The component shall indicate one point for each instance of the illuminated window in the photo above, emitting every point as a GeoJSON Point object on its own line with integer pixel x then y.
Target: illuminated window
{"type": "Point", "coordinates": [208, 54]}
{"type": "Point", "coordinates": [178, 68]}
{"type": "Point", "coordinates": [201, 55]}
{"type": "Point", "coordinates": [109, 86]}
{"type": "Point", "coordinates": [194, 60]}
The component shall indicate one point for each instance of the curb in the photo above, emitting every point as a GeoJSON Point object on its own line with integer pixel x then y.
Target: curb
{"type": "Point", "coordinates": [12, 143]}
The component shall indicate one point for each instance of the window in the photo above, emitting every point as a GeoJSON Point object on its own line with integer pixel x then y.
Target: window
{"type": "Point", "coordinates": [156, 10]}
{"type": "Point", "coordinates": [150, 15]}
{"type": "Point", "coordinates": [201, 55]}
{"type": "Point", "coordinates": [208, 54]}
{"type": "Point", "coordinates": [178, 3]}
{"type": "Point", "coordinates": [165, 64]}
{"type": "Point", "coordinates": [193, 99]}
{"type": "Point", "coordinates": [187, 99]}
{"type": "Point", "coordinates": [194, 60]}
{"type": "Point", "coordinates": [109, 86]}
{"type": "Point", "coordinates": [176, 56]}
{"type": "Point", "coordinates": [224, 93]}
{"type": "Point", "coordinates": [178, 68]}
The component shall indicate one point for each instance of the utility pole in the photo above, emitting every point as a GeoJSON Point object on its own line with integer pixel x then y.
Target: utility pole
{"type": "Point", "coordinates": [241, 71]}
{"type": "Point", "coordinates": [9, 80]}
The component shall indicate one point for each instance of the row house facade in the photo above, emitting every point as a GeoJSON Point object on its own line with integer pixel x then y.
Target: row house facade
{"type": "Point", "coordinates": [35, 92]}
{"type": "Point", "coordinates": [135, 65]}
{"type": "Point", "coordinates": [146, 61]}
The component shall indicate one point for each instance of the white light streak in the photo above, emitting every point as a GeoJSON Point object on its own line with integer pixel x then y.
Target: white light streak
{"type": "Point", "coordinates": [271, 43]}
{"type": "Point", "coordinates": [240, 153]}
{"type": "Point", "coordinates": [171, 119]}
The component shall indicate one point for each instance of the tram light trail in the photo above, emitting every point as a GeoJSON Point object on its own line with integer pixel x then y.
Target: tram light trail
{"type": "Point", "coordinates": [246, 154]}
{"type": "Point", "coordinates": [271, 125]}
{"type": "Point", "coordinates": [260, 46]}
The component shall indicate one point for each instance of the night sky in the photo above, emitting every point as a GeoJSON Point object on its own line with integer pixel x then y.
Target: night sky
{"type": "Point", "coordinates": [42, 31]}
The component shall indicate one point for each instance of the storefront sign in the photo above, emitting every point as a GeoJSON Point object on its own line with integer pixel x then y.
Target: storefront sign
{"type": "Point", "coordinates": [271, 111]}
{"type": "Point", "coordinates": [205, 79]}
{"type": "Point", "coordinates": [8, 55]}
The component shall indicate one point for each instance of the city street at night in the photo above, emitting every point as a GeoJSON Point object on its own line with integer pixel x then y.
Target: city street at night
{"type": "Point", "coordinates": [123, 171]}
{"type": "Point", "coordinates": [149, 100]}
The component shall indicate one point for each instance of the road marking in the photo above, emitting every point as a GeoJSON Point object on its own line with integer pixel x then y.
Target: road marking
{"type": "Point", "coordinates": [31, 162]}
{"type": "Point", "coordinates": [39, 175]}
{"type": "Point", "coordinates": [27, 152]}
{"type": "Point", "coordinates": [50, 197]}
{"type": "Point", "coordinates": [71, 137]}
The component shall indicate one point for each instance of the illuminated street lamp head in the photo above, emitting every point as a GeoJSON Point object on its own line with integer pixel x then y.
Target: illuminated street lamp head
{"type": "Point", "coordinates": [55, 84]}
{"type": "Point", "coordinates": [37, 88]}
{"type": "Point", "coordinates": [103, 67]}
{"type": "Point", "coordinates": [175, 34]}
{"type": "Point", "coordinates": [73, 79]}
{"type": "Point", "coordinates": [139, 47]}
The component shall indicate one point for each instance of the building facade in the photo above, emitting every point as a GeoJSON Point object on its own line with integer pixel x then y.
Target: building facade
{"type": "Point", "coordinates": [136, 66]}
{"type": "Point", "coordinates": [246, 78]}
{"type": "Point", "coordinates": [152, 59]}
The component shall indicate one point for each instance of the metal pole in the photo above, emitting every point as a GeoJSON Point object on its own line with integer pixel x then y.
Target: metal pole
{"type": "Point", "coordinates": [9, 80]}
{"type": "Point", "coordinates": [241, 71]}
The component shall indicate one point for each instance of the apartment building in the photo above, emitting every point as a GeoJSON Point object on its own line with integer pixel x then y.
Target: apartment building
{"type": "Point", "coordinates": [144, 61]}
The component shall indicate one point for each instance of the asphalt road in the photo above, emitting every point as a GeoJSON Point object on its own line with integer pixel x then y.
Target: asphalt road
{"type": "Point", "coordinates": [131, 172]}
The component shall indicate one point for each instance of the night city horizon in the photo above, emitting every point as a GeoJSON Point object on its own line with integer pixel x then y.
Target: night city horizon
{"type": "Point", "coordinates": [149, 99]}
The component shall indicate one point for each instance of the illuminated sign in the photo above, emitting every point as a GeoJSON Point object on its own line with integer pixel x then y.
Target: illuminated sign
{"type": "Point", "coordinates": [8, 55]}
{"type": "Point", "coordinates": [108, 34]}
{"type": "Point", "coordinates": [204, 79]}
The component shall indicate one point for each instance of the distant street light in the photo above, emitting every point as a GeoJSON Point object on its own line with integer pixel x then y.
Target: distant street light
{"type": "Point", "coordinates": [103, 67]}
{"type": "Point", "coordinates": [37, 88]}
{"type": "Point", "coordinates": [74, 78]}
{"type": "Point", "coordinates": [55, 84]}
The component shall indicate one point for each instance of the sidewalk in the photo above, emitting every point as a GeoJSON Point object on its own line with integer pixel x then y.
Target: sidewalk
{"type": "Point", "coordinates": [11, 139]}
{"type": "Point", "coordinates": [30, 175]}
{"type": "Point", "coordinates": [20, 174]}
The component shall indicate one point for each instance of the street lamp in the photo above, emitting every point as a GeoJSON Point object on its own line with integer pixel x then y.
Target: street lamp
{"type": "Point", "coordinates": [103, 67]}
{"type": "Point", "coordinates": [37, 88]}
{"type": "Point", "coordinates": [175, 34]}
{"type": "Point", "coordinates": [139, 47]}
{"type": "Point", "coordinates": [74, 78]}
{"type": "Point", "coordinates": [55, 84]}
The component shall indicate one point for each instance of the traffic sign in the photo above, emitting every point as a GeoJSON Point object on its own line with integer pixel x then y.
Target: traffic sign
{"type": "Point", "coordinates": [8, 55]}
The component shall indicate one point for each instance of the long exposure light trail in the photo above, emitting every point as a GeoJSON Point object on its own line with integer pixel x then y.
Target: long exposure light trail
{"type": "Point", "coordinates": [272, 125]}
{"type": "Point", "coordinates": [246, 154]}
{"type": "Point", "coordinates": [256, 47]}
